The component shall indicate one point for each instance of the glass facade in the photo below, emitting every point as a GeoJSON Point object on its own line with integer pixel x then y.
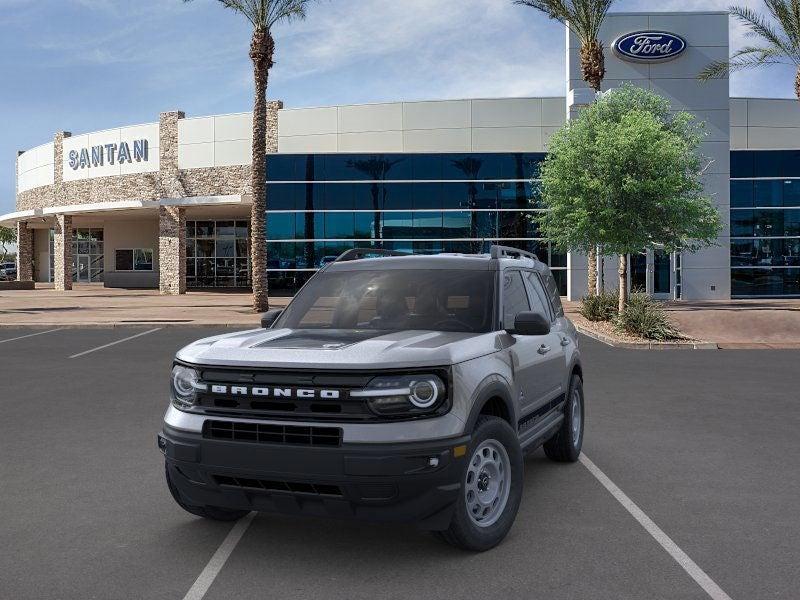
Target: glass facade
{"type": "Point", "coordinates": [88, 262]}
{"type": "Point", "coordinates": [320, 205]}
{"type": "Point", "coordinates": [217, 254]}
{"type": "Point", "coordinates": [765, 223]}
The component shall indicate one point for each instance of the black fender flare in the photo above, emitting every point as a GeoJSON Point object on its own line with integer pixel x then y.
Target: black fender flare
{"type": "Point", "coordinates": [492, 388]}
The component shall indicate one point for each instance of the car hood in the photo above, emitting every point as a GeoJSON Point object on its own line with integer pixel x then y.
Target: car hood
{"type": "Point", "coordinates": [340, 349]}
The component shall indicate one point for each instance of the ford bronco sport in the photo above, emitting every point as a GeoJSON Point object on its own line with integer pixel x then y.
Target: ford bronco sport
{"type": "Point", "coordinates": [391, 388]}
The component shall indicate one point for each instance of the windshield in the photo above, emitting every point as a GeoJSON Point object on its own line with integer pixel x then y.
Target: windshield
{"type": "Point", "coordinates": [437, 300]}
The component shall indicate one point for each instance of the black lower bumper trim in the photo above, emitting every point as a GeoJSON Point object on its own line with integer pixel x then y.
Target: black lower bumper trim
{"type": "Point", "coordinates": [400, 482]}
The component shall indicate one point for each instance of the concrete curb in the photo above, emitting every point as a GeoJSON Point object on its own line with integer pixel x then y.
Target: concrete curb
{"type": "Point", "coordinates": [646, 345]}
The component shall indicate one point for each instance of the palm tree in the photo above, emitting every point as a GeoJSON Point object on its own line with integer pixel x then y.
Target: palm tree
{"type": "Point", "coordinates": [779, 41]}
{"type": "Point", "coordinates": [584, 19]}
{"type": "Point", "coordinates": [263, 15]}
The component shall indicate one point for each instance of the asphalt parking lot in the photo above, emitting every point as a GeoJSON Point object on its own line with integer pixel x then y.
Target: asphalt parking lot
{"type": "Point", "coordinates": [705, 443]}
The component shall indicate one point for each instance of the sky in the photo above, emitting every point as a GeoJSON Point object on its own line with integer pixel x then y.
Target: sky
{"type": "Point", "coordinates": [86, 65]}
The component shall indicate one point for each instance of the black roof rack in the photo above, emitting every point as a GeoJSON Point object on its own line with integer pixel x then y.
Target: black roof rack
{"type": "Point", "coordinates": [497, 252]}
{"type": "Point", "coordinates": [359, 253]}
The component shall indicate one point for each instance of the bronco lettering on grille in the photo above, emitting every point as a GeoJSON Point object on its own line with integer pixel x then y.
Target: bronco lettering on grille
{"type": "Point", "coordinates": [276, 392]}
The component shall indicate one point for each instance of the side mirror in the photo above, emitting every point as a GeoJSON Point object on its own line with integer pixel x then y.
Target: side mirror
{"type": "Point", "coordinates": [531, 323]}
{"type": "Point", "coordinates": [269, 317]}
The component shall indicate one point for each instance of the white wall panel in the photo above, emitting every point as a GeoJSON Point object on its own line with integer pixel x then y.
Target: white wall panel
{"type": "Point", "coordinates": [299, 144]}
{"type": "Point", "coordinates": [739, 138]}
{"type": "Point", "coordinates": [196, 131]}
{"type": "Point", "coordinates": [773, 113]}
{"type": "Point", "coordinates": [508, 112]}
{"type": "Point", "coordinates": [709, 29]}
{"type": "Point", "coordinates": [766, 138]}
{"type": "Point", "coordinates": [437, 140]}
{"type": "Point", "coordinates": [507, 139]}
{"type": "Point", "coordinates": [233, 152]}
{"type": "Point", "coordinates": [370, 117]}
{"type": "Point", "coordinates": [233, 127]}
{"type": "Point", "coordinates": [738, 112]}
{"type": "Point", "coordinates": [446, 114]}
{"type": "Point", "coordinates": [554, 111]}
{"type": "Point", "coordinates": [308, 121]}
{"type": "Point", "coordinates": [371, 141]}
{"type": "Point", "coordinates": [195, 156]}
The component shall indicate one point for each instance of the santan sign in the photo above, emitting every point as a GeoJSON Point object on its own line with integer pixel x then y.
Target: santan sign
{"type": "Point", "coordinates": [649, 46]}
{"type": "Point", "coordinates": [97, 156]}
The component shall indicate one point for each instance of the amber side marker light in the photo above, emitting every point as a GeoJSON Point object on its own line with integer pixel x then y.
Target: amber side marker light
{"type": "Point", "coordinates": [459, 451]}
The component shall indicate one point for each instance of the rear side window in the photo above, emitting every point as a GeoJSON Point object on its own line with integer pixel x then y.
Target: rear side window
{"type": "Point", "coordinates": [552, 291]}
{"type": "Point", "coordinates": [515, 298]}
{"type": "Point", "coordinates": [539, 301]}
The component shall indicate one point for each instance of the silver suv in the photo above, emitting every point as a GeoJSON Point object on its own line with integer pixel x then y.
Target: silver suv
{"type": "Point", "coordinates": [391, 388]}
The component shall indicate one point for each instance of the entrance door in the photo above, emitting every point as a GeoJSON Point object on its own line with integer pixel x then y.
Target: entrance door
{"type": "Point", "coordinates": [83, 268]}
{"type": "Point", "coordinates": [662, 271]}
{"type": "Point", "coordinates": [638, 270]}
{"type": "Point", "coordinates": [651, 272]}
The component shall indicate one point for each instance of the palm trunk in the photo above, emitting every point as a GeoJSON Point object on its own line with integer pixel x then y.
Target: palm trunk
{"type": "Point", "coordinates": [593, 67]}
{"type": "Point", "coordinates": [261, 51]}
{"type": "Point", "coordinates": [797, 84]}
{"type": "Point", "coordinates": [623, 282]}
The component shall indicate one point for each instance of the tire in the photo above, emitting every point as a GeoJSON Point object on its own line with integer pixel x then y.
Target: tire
{"type": "Point", "coordinates": [215, 513]}
{"type": "Point", "coordinates": [565, 445]}
{"type": "Point", "coordinates": [494, 435]}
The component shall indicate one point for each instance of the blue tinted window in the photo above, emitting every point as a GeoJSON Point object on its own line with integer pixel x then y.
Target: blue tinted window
{"type": "Point", "coordinates": [741, 194]}
{"type": "Point", "coordinates": [397, 196]}
{"type": "Point", "coordinates": [280, 226]}
{"type": "Point", "coordinates": [281, 167]}
{"type": "Point", "coordinates": [768, 193]}
{"type": "Point", "coordinates": [427, 224]}
{"type": "Point", "coordinates": [791, 192]}
{"type": "Point", "coordinates": [742, 164]}
{"type": "Point", "coordinates": [339, 225]}
{"type": "Point", "coordinates": [426, 195]}
{"type": "Point", "coordinates": [456, 224]}
{"type": "Point", "coordinates": [281, 196]}
{"type": "Point", "coordinates": [339, 196]}
{"type": "Point", "coordinates": [742, 223]}
{"type": "Point", "coordinates": [455, 195]}
{"type": "Point", "coordinates": [367, 225]}
{"type": "Point", "coordinates": [398, 225]}
{"type": "Point", "coordinates": [768, 163]}
{"type": "Point", "coordinates": [426, 166]}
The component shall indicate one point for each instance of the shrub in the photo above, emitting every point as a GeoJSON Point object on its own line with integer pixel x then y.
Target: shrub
{"type": "Point", "coordinates": [646, 318]}
{"type": "Point", "coordinates": [601, 307]}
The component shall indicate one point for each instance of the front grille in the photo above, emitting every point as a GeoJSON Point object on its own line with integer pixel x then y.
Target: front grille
{"type": "Point", "coordinates": [315, 489]}
{"type": "Point", "coordinates": [342, 408]}
{"type": "Point", "coordinates": [265, 433]}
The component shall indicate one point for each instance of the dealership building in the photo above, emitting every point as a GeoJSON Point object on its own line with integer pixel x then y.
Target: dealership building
{"type": "Point", "coordinates": [167, 204]}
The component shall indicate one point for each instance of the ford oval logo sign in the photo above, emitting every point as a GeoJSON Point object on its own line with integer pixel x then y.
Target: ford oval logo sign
{"type": "Point", "coordinates": [649, 46]}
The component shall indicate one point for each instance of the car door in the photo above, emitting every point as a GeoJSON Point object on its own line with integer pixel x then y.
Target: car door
{"type": "Point", "coordinates": [528, 353]}
{"type": "Point", "coordinates": [550, 371]}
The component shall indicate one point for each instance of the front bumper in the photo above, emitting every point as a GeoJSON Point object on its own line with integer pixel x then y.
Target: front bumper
{"type": "Point", "coordinates": [400, 482]}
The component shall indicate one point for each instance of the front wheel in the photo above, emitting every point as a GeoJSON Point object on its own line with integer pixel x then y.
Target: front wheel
{"type": "Point", "coordinates": [215, 513]}
{"type": "Point", "coordinates": [565, 445]}
{"type": "Point", "coordinates": [491, 488]}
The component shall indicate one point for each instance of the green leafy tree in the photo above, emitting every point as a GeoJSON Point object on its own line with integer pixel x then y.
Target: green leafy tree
{"type": "Point", "coordinates": [584, 19]}
{"type": "Point", "coordinates": [263, 15]}
{"type": "Point", "coordinates": [626, 174]}
{"type": "Point", "coordinates": [8, 236]}
{"type": "Point", "coordinates": [778, 40]}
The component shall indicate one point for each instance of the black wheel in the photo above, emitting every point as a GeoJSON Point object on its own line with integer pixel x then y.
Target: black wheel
{"type": "Point", "coordinates": [565, 445]}
{"type": "Point", "coordinates": [215, 513]}
{"type": "Point", "coordinates": [491, 488]}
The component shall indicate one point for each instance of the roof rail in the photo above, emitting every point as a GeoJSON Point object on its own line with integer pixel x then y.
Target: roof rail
{"type": "Point", "coordinates": [497, 252]}
{"type": "Point", "coordinates": [359, 253]}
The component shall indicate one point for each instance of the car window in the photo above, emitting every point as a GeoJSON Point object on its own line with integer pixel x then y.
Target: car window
{"type": "Point", "coordinates": [552, 292]}
{"type": "Point", "coordinates": [515, 298]}
{"type": "Point", "coordinates": [538, 296]}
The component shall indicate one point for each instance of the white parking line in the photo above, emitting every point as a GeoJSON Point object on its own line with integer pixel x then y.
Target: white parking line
{"type": "Point", "coordinates": [688, 565]}
{"type": "Point", "coordinates": [214, 566]}
{"type": "Point", "coordinates": [115, 343]}
{"type": "Point", "coordinates": [22, 337]}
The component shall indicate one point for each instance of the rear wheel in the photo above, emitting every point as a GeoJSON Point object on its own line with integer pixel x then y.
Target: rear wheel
{"type": "Point", "coordinates": [215, 513]}
{"type": "Point", "coordinates": [565, 445]}
{"type": "Point", "coordinates": [491, 488]}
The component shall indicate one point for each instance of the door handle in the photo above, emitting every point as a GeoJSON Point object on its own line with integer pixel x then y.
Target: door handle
{"type": "Point", "coordinates": [565, 341]}
{"type": "Point", "coordinates": [543, 349]}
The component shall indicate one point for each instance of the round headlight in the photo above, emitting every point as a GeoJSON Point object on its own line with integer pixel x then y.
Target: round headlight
{"type": "Point", "coordinates": [185, 383]}
{"type": "Point", "coordinates": [423, 393]}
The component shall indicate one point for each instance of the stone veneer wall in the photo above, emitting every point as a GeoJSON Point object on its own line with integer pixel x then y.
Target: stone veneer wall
{"type": "Point", "coordinates": [62, 250]}
{"type": "Point", "coordinates": [24, 252]}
